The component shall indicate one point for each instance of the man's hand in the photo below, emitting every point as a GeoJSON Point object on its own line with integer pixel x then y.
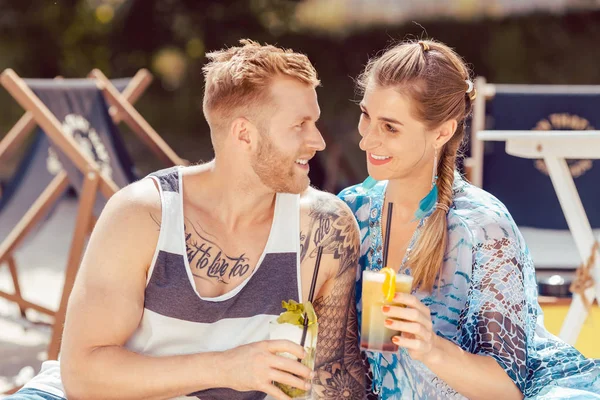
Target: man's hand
{"type": "Point", "coordinates": [255, 366]}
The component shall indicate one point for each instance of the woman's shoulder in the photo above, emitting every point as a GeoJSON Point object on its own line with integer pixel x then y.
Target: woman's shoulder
{"type": "Point", "coordinates": [484, 215]}
{"type": "Point", "coordinates": [351, 193]}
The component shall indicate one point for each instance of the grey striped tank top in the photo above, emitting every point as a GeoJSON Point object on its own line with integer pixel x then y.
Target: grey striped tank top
{"type": "Point", "coordinates": [177, 320]}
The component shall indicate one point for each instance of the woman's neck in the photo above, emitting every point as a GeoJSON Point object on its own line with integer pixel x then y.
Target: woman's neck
{"type": "Point", "coordinates": [407, 192]}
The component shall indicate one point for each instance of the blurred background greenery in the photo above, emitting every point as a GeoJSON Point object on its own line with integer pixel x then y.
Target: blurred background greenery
{"type": "Point", "coordinates": [507, 41]}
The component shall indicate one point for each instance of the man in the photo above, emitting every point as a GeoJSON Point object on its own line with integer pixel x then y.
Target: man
{"type": "Point", "coordinates": [185, 270]}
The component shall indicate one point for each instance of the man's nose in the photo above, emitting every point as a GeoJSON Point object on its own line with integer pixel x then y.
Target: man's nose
{"type": "Point", "coordinates": [316, 140]}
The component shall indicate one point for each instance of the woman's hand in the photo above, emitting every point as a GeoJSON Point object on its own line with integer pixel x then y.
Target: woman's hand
{"type": "Point", "coordinates": [413, 322]}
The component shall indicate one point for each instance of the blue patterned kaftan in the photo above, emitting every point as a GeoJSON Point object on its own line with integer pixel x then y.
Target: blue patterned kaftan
{"type": "Point", "coordinates": [486, 303]}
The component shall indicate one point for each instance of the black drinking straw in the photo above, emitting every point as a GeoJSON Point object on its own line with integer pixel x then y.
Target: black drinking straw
{"type": "Point", "coordinates": [311, 293]}
{"type": "Point", "coordinates": [388, 229]}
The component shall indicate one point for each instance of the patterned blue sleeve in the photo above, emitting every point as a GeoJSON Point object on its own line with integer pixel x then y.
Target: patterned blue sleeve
{"type": "Point", "coordinates": [494, 323]}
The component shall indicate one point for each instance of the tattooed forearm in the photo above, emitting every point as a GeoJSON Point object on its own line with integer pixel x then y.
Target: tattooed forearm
{"type": "Point", "coordinates": [208, 260]}
{"type": "Point", "coordinates": [340, 370]}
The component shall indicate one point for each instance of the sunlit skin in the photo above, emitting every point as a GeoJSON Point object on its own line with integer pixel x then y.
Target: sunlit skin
{"type": "Point", "coordinates": [291, 137]}
{"type": "Point", "coordinates": [261, 149]}
{"type": "Point", "coordinates": [388, 129]}
{"type": "Point", "coordinates": [234, 198]}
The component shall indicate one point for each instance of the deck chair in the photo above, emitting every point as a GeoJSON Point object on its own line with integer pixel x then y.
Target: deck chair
{"type": "Point", "coordinates": [523, 185]}
{"type": "Point", "coordinates": [78, 145]}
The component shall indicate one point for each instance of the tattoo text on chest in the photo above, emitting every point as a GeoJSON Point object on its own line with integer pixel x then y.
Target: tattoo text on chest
{"type": "Point", "coordinates": [207, 257]}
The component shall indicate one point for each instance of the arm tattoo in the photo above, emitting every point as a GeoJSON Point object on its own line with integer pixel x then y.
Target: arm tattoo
{"type": "Point", "coordinates": [340, 370]}
{"type": "Point", "coordinates": [207, 259]}
{"type": "Point", "coordinates": [333, 228]}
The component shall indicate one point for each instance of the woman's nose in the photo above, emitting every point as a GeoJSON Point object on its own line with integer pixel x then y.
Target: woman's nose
{"type": "Point", "coordinates": [369, 140]}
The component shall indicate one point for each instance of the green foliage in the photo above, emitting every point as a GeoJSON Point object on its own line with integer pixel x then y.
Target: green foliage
{"type": "Point", "coordinates": [70, 37]}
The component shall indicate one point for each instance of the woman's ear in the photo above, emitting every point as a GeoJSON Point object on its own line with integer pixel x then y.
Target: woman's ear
{"type": "Point", "coordinates": [444, 133]}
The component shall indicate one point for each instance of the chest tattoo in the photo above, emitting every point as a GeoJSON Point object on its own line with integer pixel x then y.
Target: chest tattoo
{"type": "Point", "coordinates": [208, 260]}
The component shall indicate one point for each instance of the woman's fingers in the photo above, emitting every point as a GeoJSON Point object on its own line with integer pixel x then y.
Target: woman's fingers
{"type": "Point", "coordinates": [407, 314]}
{"type": "Point", "coordinates": [416, 345]}
{"type": "Point", "coordinates": [413, 319]}
{"type": "Point", "coordinates": [411, 301]}
{"type": "Point", "coordinates": [411, 327]}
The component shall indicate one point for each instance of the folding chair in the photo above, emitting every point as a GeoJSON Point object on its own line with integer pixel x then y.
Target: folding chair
{"type": "Point", "coordinates": [78, 145]}
{"type": "Point", "coordinates": [524, 185]}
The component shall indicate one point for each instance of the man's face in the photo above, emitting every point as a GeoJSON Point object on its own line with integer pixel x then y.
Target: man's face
{"type": "Point", "coordinates": [289, 138]}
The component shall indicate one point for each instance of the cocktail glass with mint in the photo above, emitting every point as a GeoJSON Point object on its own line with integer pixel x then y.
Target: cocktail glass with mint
{"type": "Point", "coordinates": [289, 326]}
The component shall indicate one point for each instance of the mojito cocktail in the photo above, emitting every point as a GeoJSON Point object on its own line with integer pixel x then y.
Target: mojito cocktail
{"type": "Point", "coordinates": [289, 326]}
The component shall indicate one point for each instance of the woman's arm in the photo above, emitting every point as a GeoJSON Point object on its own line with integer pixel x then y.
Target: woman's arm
{"type": "Point", "coordinates": [494, 326]}
{"type": "Point", "coordinates": [473, 376]}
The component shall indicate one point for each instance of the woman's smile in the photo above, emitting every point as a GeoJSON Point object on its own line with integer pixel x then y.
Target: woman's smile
{"type": "Point", "coordinates": [376, 159]}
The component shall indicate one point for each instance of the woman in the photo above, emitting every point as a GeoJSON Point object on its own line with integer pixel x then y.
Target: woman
{"type": "Point", "coordinates": [472, 326]}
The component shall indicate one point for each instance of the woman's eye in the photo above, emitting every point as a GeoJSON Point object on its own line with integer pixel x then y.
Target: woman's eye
{"type": "Point", "coordinates": [390, 128]}
{"type": "Point", "coordinates": [364, 114]}
{"type": "Point", "coordinates": [300, 125]}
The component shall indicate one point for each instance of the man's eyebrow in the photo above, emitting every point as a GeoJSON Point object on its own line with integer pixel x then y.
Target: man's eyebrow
{"type": "Point", "coordinates": [309, 118]}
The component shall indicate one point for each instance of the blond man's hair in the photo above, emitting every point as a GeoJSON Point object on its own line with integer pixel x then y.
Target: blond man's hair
{"type": "Point", "coordinates": [238, 79]}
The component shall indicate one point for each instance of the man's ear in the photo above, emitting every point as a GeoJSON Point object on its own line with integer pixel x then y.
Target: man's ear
{"type": "Point", "coordinates": [444, 133]}
{"type": "Point", "coordinates": [242, 130]}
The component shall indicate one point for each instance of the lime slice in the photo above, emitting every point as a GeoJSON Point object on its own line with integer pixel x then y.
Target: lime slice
{"type": "Point", "coordinates": [295, 313]}
{"type": "Point", "coordinates": [311, 315]}
{"type": "Point", "coordinates": [389, 284]}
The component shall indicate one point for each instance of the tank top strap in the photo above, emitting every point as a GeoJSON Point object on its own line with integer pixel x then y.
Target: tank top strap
{"type": "Point", "coordinates": [286, 224]}
{"type": "Point", "coordinates": [285, 234]}
{"type": "Point", "coordinates": [171, 224]}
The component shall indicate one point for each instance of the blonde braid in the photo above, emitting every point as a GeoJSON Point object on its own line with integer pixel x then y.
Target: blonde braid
{"type": "Point", "coordinates": [446, 169]}
{"type": "Point", "coordinates": [437, 80]}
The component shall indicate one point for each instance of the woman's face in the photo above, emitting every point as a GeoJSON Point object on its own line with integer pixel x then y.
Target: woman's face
{"type": "Point", "coordinates": [396, 143]}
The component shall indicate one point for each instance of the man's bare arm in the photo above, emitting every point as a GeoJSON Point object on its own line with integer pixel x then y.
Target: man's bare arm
{"type": "Point", "coordinates": [105, 309]}
{"type": "Point", "coordinates": [106, 306]}
{"type": "Point", "coordinates": [340, 371]}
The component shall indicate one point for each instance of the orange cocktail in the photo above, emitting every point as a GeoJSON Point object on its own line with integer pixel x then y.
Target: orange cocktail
{"type": "Point", "coordinates": [376, 293]}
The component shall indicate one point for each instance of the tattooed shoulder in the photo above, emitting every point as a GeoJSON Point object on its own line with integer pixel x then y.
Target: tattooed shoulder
{"type": "Point", "coordinates": [327, 222]}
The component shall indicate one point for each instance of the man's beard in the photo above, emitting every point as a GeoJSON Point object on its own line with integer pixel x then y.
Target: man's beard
{"type": "Point", "coordinates": [271, 167]}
